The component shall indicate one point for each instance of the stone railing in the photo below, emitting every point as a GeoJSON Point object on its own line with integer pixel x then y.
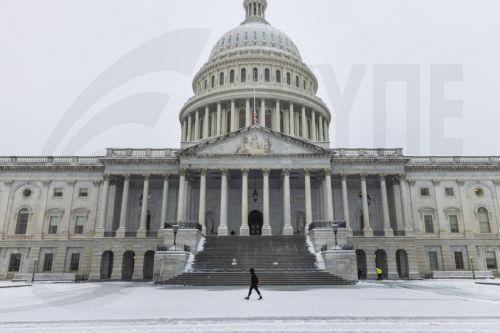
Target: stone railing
{"type": "Point", "coordinates": [364, 153]}
{"type": "Point", "coordinates": [49, 160]}
{"type": "Point", "coordinates": [456, 160]}
{"type": "Point", "coordinates": [140, 153]}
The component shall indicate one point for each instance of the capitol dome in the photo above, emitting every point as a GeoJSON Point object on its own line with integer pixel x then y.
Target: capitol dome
{"type": "Point", "coordinates": [259, 35]}
{"type": "Point", "coordinates": [255, 76]}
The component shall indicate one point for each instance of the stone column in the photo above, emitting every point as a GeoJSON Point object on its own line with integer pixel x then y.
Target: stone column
{"type": "Point", "coordinates": [123, 214]}
{"type": "Point", "coordinates": [366, 210]}
{"type": "Point", "coordinates": [468, 225]}
{"type": "Point", "coordinates": [313, 126]}
{"type": "Point", "coordinates": [104, 209]}
{"type": "Point", "coordinates": [277, 117]}
{"type": "Point", "coordinates": [205, 122]}
{"type": "Point", "coordinates": [197, 126]}
{"type": "Point", "coordinates": [189, 129]}
{"type": "Point", "coordinates": [266, 230]}
{"type": "Point", "coordinates": [292, 120]}
{"type": "Point", "coordinates": [164, 201]}
{"type": "Point", "coordinates": [304, 123]}
{"type": "Point", "coordinates": [329, 195]}
{"type": "Point", "coordinates": [248, 113]}
{"type": "Point", "coordinates": [308, 197]}
{"type": "Point", "coordinates": [263, 112]}
{"type": "Point", "coordinates": [345, 203]}
{"type": "Point", "coordinates": [234, 122]}
{"type": "Point", "coordinates": [180, 203]}
{"type": "Point", "coordinates": [219, 119]}
{"type": "Point", "coordinates": [287, 214]}
{"type": "Point", "coordinates": [244, 229]}
{"type": "Point", "coordinates": [320, 126]}
{"type": "Point", "coordinates": [385, 207]}
{"type": "Point", "coordinates": [184, 130]}
{"type": "Point", "coordinates": [202, 204]}
{"type": "Point", "coordinates": [223, 204]}
{"type": "Point", "coordinates": [144, 209]}
{"type": "Point", "coordinates": [404, 204]}
{"type": "Point", "coordinates": [5, 207]}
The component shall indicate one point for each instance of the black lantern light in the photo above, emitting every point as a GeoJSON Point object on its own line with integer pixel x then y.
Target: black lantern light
{"type": "Point", "coordinates": [175, 228]}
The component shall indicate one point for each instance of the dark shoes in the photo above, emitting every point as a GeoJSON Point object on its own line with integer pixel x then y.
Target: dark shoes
{"type": "Point", "coordinates": [260, 297]}
{"type": "Point", "coordinates": [247, 298]}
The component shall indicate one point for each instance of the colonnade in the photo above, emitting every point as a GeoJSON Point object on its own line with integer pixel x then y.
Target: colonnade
{"type": "Point", "coordinates": [228, 116]}
{"type": "Point", "coordinates": [244, 228]}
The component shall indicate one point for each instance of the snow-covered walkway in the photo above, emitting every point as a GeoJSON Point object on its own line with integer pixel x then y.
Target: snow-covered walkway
{"type": "Point", "coordinates": [431, 306]}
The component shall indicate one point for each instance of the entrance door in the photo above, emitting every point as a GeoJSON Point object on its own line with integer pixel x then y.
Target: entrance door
{"type": "Point", "coordinates": [255, 222]}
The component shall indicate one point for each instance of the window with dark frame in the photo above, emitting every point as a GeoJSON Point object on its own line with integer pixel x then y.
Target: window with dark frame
{"type": "Point", "coordinates": [79, 224]}
{"type": "Point", "coordinates": [491, 260]}
{"type": "Point", "coordinates": [459, 260]}
{"type": "Point", "coordinates": [453, 220]}
{"type": "Point", "coordinates": [53, 224]}
{"type": "Point", "coordinates": [22, 221]}
{"type": "Point", "coordinates": [429, 224]}
{"type": "Point", "coordinates": [15, 262]}
{"type": "Point", "coordinates": [425, 192]}
{"type": "Point", "coordinates": [83, 192]}
{"type": "Point", "coordinates": [58, 192]}
{"type": "Point", "coordinates": [449, 192]}
{"type": "Point", "coordinates": [74, 265]}
{"type": "Point", "coordinates": [433, 261]}
{"type": "Point", "coordinates": [48, 258]}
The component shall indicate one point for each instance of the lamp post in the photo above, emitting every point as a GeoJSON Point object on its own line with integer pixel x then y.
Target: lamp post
{"type": "Point", "coordinates": [472, 268]}
{"type": "Point", "coordinates": [335, 227]}
{"type": "Point", "coordinates": [175, 228]}
{"type": "Point", "coordinates": [35, 267]}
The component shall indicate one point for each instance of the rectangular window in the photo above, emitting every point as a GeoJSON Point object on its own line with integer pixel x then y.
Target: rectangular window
{"type": "Point", "coordinates": [429, 224]}
{"type": "Point", "coordinates": [83, 193]}
{"type": "Point", "coordinates": [58, 193]}
{"type": "Point", "coordinates": [453, 220]}
{"type": "Point", "coordinates": [449, 192]}
{"type": "Point", "coordinates": [79, 224]}
{"type": "Point", "coordinates": [15, 262]}
{"type": "Point", "coordinates": [74, 265]}
{"type": "Point", "coordinates": [491, 260]}
{"type": "Point", "coordinates": [53, 224]}
{"type": "Point", "coordinates": [47, 262]}
{"type": "Point", "coordinates": [459, 260]}
{"type": "Point", "coordinates": [425, 192]}
{"type": "Point", "coordinates": [433, 261]}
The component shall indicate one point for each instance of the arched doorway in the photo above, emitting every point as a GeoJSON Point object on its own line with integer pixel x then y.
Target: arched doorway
{"type": "Point", "coordinates": [402, 264]}
{"type": "Point", "coordinates": [149, 261]}
{"type": "Point", "coordinates": [255, 222]}
{"type": "Point", "coordinates": [361, 262]}
{"type": "Point", "coordinates": [381, 262]}
{"type": "Point", "coordinates": [128, 265]}
{"type": "Point", "coordinates": [106, 265]}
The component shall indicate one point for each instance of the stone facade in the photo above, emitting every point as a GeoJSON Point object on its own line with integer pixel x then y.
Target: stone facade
{"type": "Point", "coordinates": [255, 159]}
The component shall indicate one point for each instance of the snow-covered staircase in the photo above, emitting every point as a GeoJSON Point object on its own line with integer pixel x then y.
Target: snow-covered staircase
{"type": "Point", "coordinates": [278, 260]}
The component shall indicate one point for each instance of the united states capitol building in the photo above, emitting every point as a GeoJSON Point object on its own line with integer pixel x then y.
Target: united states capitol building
{"type": "Point", "coordinates": [255, 162]}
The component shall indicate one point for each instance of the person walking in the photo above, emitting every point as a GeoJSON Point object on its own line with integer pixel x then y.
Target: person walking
{"type": "Point", "coordinates": [254, 284]}
{"type": "Point", "coordinates": [379, 272]}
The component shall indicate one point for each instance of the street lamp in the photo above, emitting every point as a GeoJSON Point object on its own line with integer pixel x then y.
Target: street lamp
{"type": "Point", "coordinates": [175, 228]}
{"type": "Point", "coordinates": [35, 267]}
{"type": "Point", "coordinates": [335, 227]}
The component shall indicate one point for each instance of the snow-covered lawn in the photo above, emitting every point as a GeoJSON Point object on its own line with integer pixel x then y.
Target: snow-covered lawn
{"type": "Point", "coordinates": [431, 306]}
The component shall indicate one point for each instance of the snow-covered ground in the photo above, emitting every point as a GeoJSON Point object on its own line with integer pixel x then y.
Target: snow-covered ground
{"type": "Point", "coordinates": [430, 306]}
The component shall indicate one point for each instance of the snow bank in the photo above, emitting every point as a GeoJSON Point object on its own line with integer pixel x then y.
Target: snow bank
{"type": "Point", "coordinates": [320, 263]}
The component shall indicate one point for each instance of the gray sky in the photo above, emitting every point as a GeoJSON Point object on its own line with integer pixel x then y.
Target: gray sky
{"type": "Point", "coordinates": [52, 50]}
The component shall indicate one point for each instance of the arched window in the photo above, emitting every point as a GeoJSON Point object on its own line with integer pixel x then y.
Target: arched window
{"type": "Point", "coordinates": [484, 220]}
{"type": "Point", "coordinates": [221, 79]}
{"type": "Point", "coordinates": [22, 221]}
{"type": "Point", "coordinates": [278, 76]}
{"type": "Point", "coordinates": [297, 82]}
{"type": "Point", "coordinates": [213, 81]}
{"type": "Point", "coordinates": [255, 74]}
{"type": "Point", "coordinates": [231, 76]}
{"type": "Point", "coordinates": [243, 75]}
{"type": "Point", "coordinates": [288, 79]}
{"type": "Point", "coordinates": [305, 85]}
{"type": "Point", "coordinates": [267, 75]}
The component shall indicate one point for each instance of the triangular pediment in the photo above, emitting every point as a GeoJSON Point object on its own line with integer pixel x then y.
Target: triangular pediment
{"type": "Point", "coordinates": [254, 141]}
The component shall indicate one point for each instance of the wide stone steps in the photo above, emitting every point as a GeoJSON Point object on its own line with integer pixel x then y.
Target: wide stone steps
{"type": "Point", "coordinates": [266, 278]}
{"type": "Point", "coordinates": [277, 260]}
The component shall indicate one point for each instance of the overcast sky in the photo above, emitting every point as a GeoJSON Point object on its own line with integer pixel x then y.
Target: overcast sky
{"type": "Point", "coordinates": [51, 51]}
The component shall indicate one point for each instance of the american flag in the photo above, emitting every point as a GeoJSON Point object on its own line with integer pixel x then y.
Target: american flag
{"type": "Point", "coordinates": [255, 116]}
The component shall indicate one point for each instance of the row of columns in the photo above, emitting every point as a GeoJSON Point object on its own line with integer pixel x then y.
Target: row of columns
{"type": "Point", "coordinates": [122, 229]}
{"type": "Point", "coordinates": [223, 228]}
{"type": "Point", "coordinates": [294, 123]}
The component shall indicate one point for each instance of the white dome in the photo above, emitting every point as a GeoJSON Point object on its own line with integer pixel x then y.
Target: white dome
{"type": "Point", "coordinates": [255, 35]}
